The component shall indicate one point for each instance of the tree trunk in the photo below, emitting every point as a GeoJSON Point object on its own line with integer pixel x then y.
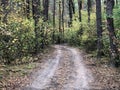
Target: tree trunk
{"type": "Point", "coordinates": [73, 6]}
{"type": "Point", "coordinates": [63, 9]}
{"type": "Point", "coordinates": [99, 28]}
{"type": "Point", "coordinates": [80, 8]}
{"type": "Point", "coordinates": [54, 9]}
{"type": "Point", "coordinates": [114, 56]}
{"type": "Point", "coordinates": [80, 17]}
{"type": "Point", "coordinates": [36, 16]}
{"type": "Point", "coordinates": [70, 12]}
{"type": "Point", "coordinates": [46, 9]}
{"type": "Point", "coordinates": [89, 9]}
{"type": "Point", "coordinates": [60, 17]}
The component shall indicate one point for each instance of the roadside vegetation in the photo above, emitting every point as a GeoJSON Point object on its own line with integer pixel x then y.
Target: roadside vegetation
{"type": "Point", "coordinates": [29, 27]}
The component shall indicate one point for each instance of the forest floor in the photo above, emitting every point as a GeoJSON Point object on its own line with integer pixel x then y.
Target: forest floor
{"type": "Point", "coordinates": [68, 68]}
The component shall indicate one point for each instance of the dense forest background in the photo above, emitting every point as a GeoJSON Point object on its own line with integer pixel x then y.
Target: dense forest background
{"type": "Point", "coordinates": [27, 27]}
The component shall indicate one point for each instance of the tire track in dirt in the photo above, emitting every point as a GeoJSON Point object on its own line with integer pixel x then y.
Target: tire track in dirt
{"type": "Point", "coordinates": [83, 76]}
{"type": "Point", "coordinates": [43, 77]}
{"type": "Point", "coordinates": [65, 72]}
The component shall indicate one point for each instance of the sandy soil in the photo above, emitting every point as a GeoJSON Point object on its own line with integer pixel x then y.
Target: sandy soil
{"type": "Point", "coordinates": [64, 71]}
{"type": "Point", "coordinates": [68, 68]}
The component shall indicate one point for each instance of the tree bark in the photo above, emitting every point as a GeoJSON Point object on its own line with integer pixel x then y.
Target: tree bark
{"type": "Point", "coordinates": [46, 9]}
{"type": "Point", "coordinates": [80, 8]}
{"type": "Point", "coordinates": [73, 6]}
{"type": "Point", "coordinates": [114, 56]}
{"type": "Point", "coordinates": [63, 9]}
{"type": "Point", "coordinates": [99, 28]}
{"type": "Point", "coordinates": [54, 9]}
{"type": "Point", "coordinates": [89, 9]}
{"type": "Point", "coordinates": [60, 17]}
{"type": "Point", "coordinates": [70, 12]}
{"type": "Point", "coordinates": [36, 16]}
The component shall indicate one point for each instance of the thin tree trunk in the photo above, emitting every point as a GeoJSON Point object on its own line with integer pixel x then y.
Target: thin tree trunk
{"type": "Point", "coordinates": [80, 8]}
{"type": "Point", "coordinates": [46, 9]}
{"type": "Point", "coordinates": [70, 12]}
{"type": "Point", "coordinates": [89, 9]}
{"type": "Point", "coordinates": [63, 9]}
{"type": "Point", "coordinates": [80, 16]}
{"type": "Point", "coordinates": [60, 16]}
{"type": "Point", "coordinates": [114, 56]}
{"type": "Point", "coordinates": [54, 9]}
{"type": "Point", "coordinates": [36, 16]}
{"type": "Point", "coordinates": [73, 6]}
{"type": "Point", "coordinates": [99, 28]}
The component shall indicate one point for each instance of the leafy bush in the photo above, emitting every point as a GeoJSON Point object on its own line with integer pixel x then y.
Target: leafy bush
{"type": "Point", "coordinates": [17, 39]}
{"type": "Point", "coordinates": [117, 22]}
{"type": "Point", "coordinates": [71, 34]}
{"type": "Point", "coordinates": [82, 34]}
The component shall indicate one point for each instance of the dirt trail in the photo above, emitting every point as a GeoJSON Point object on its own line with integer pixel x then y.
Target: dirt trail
{"type": "Point", "coordinates": [65, 71]}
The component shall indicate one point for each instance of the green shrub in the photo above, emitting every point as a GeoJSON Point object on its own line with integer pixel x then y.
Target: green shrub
{"type": "Point", "coordinates": [17, 39]}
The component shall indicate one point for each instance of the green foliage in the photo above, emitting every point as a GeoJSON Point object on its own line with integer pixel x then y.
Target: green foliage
{"type": "Point", "coordinates": [82, 34]}
{"type": "Point", "coordinates": [117, 20]}
{"type": "Point", "coordinates": [17, 38]}
{"type": "Point", "coordinates": [106, 42]}
{"type": "Point", "coordinates": [44, 32]}
{"type": "Point", "coordinates": [71, 34]}
{"type": "Point", "coordinates": [117, 17]}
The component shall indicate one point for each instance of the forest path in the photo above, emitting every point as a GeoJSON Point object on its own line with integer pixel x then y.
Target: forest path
{"type": "Point", "coordinates": [64, 71]}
